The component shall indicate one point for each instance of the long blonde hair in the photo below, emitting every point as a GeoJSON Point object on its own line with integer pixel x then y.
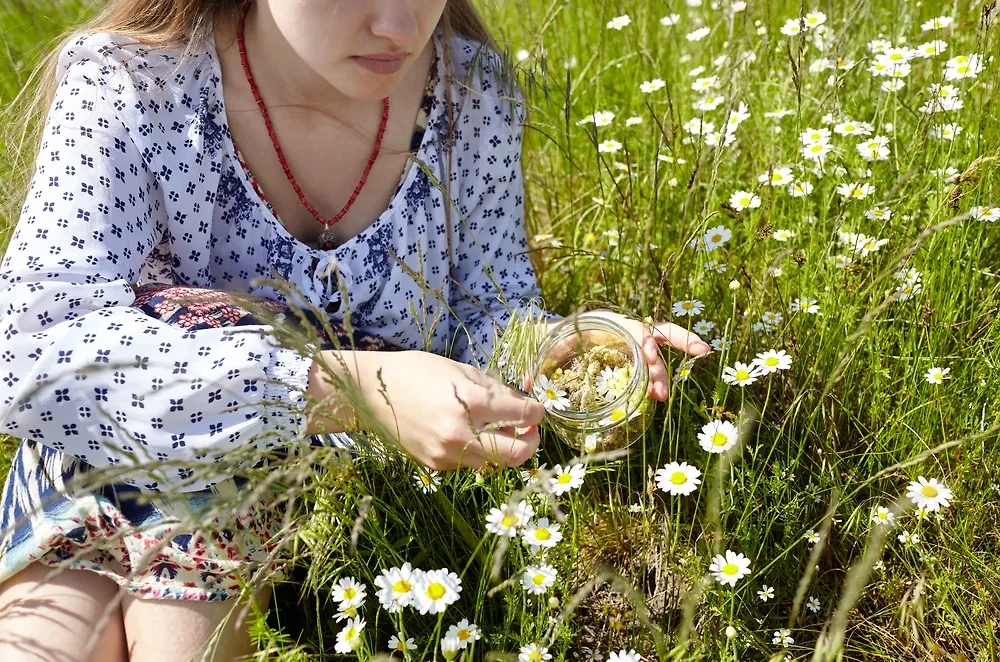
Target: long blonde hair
{"type": "Point", "coordinates": [167, 23]}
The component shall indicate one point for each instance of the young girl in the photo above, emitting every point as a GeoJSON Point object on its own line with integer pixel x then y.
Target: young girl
{"type": "Point", "coordinates": [365, 151]}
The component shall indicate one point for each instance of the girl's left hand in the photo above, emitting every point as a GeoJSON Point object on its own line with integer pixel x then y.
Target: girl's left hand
{"type": "Point", "coordinates": [649, 338]}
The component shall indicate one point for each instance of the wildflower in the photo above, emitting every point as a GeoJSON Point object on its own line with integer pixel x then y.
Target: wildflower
{"type": "Point", "coordinates": [772, 361]}
{"type": "Point", "coordinates": [703, 327]}
{"type": "Point", "coordinates": [698, 35]}
{"type": "Point", "coordinates": [741, 200]}
{"type": "Point", "coordinates": [395, 588]}
{"type": "Point", "coordinates": [689, 307]}
{"type": "Point", "coordinates": [855, 190]}
{"type": "Point", "coordinates": [740, 374]}
{"type": "Point", "coordinates": [505, 520]}
{"type": "Point", "coordinates": [963, 66]}
{"type": "Point", "coordinates": [730, 567]}
{"type": "Point", "coordinates": [650, 86]}
{"type": "Point", "coordinates": [736, 117]}
{"type": "Point", "coordinates": [534, 653]}
{"type": "Point", "coordinates": [552, 397]}
{"type": "Point", "coordinates": [782, 235]}
{"type": "Point", "coordinates": [812, 604]}
{"type": "Point", "coordinates": [678, 479]}
{"type": "Point", "coordinates": [567, 479]}
{"type": "Point", "coordinates": [929, 494]}
{"type": "Point", "coordinates": [434, 590]}
{"type": "Point", "coordinates": [632, 121]}
{"type": "Point", "coordinates": [771, 318]}
{"type": "Point", "coordinates": [721, 344]}
{"type": "Point", "coordinates": [946, 131]}
{"type": "Point", "coordinates": [874, 149]}
{"type": "Point", "coordinates": [709, 102]}
{"type": "Point", "coordinates": [776, 177]}
{"type": "Point", "coordinates": [684, 370]}
{"type": "Point", "coordinates": [937, 23]}
{"type": "Point", "coordinates": [616, 416]}
{"type": "Point", "coordinates": [349, 592]}
{"type": "Point", "coordinates": [465, 632]}
{"type": "Point", "coordinates": [619, 22]}
{"type": "Point", "coordinates": [399, 645]}
{"type": "Point", "coordinates": [349, 639]}
{"type": "Point", "coordinates": [345, 612]}
{"type": "Point", "coordinates": [883, 515]}
{"type": "Point", "coordinates": [879, 214]}
{"type": "Point", "coordinates": [765, 593]}
{"type": "Point", "coordinates": [814, 19]}
{"type": "Point", "coordinates": [783, 637]}
{"type": "Point", "coordinates": [842, 261]}
{"type": "Point", "coordinates": [805, 305]}
{"type": "Point", "coordinates": [816, 151]}
{"type": "Point", "coordinates": [894, 85]}
{"type": "Point", "coordinates": [792, 27]}
{"type": "Point", "coordinates": [670, 19]}
{"type": "Point", "coordinates": [427, 480]}
{"type": "Point", "coordinates": [812, 537]}
{"type": "Point", "coordinates": [611, 383]}
{"type": "Point", "coordinates": [609, 146]}
{"type": "Point", "coordinates": [908, 538]}
{"type": "Point", "coordinates": [937, 375]}
{"type": "Point", "coordinates": [987, 214]}
{"type": "Point", "coordinates": [537, 579]}
{"type": "Point", "coordinates": [718, 436]}
{"type": "Point", "coordinates": [625, 656]}
{"type": "Point", "coordinates": [532, 475]}
{"type": "Point", "coordinates": [705, 84]}
{"type": "Point", "coordinates": [800, 189]}
{"type": "Point", "coordinates": [698, 127]}
{"type": "Point", "coordinates": [541, 535]}
{"type": "Point", "coordinates": [814, 136]}
{"type": "Point", "coordinates": [449, 647]}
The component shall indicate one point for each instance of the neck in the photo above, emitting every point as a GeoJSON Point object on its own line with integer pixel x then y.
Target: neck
{"type": "Point", "coordinates": [282, 75]}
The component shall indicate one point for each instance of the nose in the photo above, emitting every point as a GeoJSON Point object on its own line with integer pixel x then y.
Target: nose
{"type": "Point", "coordinates": [395, 21]}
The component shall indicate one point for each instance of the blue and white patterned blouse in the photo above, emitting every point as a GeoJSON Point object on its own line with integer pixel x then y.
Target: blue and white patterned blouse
{"type": "Point", "coordinates": [137, 181]}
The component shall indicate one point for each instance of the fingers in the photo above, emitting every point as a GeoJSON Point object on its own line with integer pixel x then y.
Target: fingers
{"type": "Point", "coordinates": [507, 447]}
{"type": "Point", "coordinates": [502, 404]}
{"type": "Point", "coordinates": [680, 338]}
{"type": "Point", "coordinates": [659, 387]}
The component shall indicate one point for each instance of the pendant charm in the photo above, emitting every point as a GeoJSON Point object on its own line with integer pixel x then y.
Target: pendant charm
{"type": "Point", "coordinates": [327, 239]}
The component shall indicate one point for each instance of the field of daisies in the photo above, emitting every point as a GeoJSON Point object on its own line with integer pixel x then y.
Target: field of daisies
{"type": "Point", "coordinates": [814, 189]}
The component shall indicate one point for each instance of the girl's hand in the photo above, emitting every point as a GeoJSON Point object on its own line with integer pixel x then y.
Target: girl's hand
{"type": "Point", "coordinates": [446, 414]}
{"type": "Point", "coordinates": [649, 338]}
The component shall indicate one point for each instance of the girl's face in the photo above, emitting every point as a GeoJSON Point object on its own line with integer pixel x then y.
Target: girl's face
{"type": "Point", "coordinates": [363, 48]}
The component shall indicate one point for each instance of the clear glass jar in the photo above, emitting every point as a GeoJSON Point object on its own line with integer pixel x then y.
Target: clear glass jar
{"type": "Point", "coordinates": [590, 403]}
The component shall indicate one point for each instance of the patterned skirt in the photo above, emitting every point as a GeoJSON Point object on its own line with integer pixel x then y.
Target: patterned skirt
{"type": "Point", "coordinates": [144, 540]}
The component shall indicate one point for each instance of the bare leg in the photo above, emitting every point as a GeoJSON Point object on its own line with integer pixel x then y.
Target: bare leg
{"type": "Point", "coordinates": [51, 619]}
{"type": "Point", "coordinates": [179, 630]}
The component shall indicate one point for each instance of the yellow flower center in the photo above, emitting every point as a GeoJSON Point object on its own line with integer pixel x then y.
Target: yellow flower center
{"type": "Point", "coordinates": [509, 520]}
{"type": "Point", "coordinates": [538, 579]}
{"type": "Point", "coordinates": [542, 534]}
{"type": "Point", "coordinates": [402, 586]}
{"type": "Point", "coordinates": [771, 361]}
{"type": "Point", "coordinates": [742, 374]}
{"type": "Point", "coordinates": [929, 491]}
{"type": "Point", "coordinates": [687, 305]}
{"type": "Point", "coordinates": [617, 415]}
{"type": "Point", "coordinates": [718, 237]}
{"type": "Point", "coordinates": [730, 569]}
{"type": "Point", "coordinates": [565, 478]}
{"type": "Point", "coordinates": [535, 656]}
{"type": "Point", "coordinates": [349, 593]}
{"type": "Point", "coordinates": [678, 478]}
{"type": "Point", "coordinates": [550, 393]}
{"type": "Point", "coordinates": [400, 646]}
{"type": "Point", "coordinates": [719, 439]}
{"type": "Point", "coordinates": [350, 633]}
{"type": "Point", "coordinates": [436, 591]}
{"type": "Point", "coordinates": [463, 635]}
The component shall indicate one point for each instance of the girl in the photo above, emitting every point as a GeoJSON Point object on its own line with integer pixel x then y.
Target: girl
{"type": "Point", "coordinates": [365, 151]}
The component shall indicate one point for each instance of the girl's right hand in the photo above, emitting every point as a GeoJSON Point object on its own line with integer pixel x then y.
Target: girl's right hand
{"type": "Point", "coordinates": [446, 414]}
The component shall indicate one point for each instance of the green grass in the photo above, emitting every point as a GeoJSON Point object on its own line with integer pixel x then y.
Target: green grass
{"type": "Point", "coordinates": [842, 432]}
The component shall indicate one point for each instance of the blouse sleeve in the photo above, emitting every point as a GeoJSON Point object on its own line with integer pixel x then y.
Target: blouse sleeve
{"type": "Point", "coordinates": [493, 272]}
{"type": "Point", "coordinates": [80, 370]}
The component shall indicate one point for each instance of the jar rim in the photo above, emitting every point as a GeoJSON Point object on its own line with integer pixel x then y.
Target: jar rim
{"type": "Point", "coordinates": [584, 323]}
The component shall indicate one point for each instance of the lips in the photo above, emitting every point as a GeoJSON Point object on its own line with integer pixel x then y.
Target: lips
{"type": "Point", "coordinates": [381, 63]}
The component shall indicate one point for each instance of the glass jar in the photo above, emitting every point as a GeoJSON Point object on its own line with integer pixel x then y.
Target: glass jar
{"type": "Point", "coordinates": [592, 378]}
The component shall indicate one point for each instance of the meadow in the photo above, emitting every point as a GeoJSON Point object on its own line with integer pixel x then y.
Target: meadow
{"type": "Point", "coordinates": [818, 183]}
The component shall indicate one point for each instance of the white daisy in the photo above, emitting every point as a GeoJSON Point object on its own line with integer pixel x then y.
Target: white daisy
{"type": "Point", "coordinates": [777, 177]}
{"type": "Point", "coordinates": [612, 382]}
{"type": "Point", "coordinates": [805, 305]}
{"type": "Point", "coordinates": [718, 436]}
{"type": "Point", "coordinates": [855, 190]}
{"type": "Point", "coordinates": [625, 656]}
{"type": "Point", "coordinates": [717, 236]}
{"type": "Point", "coordinates": [427, 480]}
{"type": "Point", "coordinates": [703, 327]}
{"type": "Point", "coordinates": [619, 22]}
{"type": "Point", "coordinates": [929, 494]}
{"type": "Point", "coordinates": [397, 644]}
{"type": "Point", "coordinates": [816, 151]}
{"type": "Point", "coordinates": [552, 397]}
{"type": "Point", "coordinates": [349, 639]}
{"type": "Point", "coordinates": [689, 307]}
{"type": "Point", "coordinates": [541, 534]}
{"type": "Point", "coordinates": [812, 537]}
{"type": "Point", "coordinates": [609, 146]}
{"type": "Point", "coordinates": [908, 538]}
{"type": "Point", "coordinates": [937, 23]}
{"type": "Point", "coordinates": [538, 579]}
{"type": "Point", "coordinates": [670, 19]}
{"type": "Point", "coordinates": [765, 593]}
{"type": "Point", "coordinates": [650, 86]}
{"type": "Point", "coordinates": [800, 189]}
{"type": "Point", "coordinates": [812, 604]}
{"type": "Point", "coordinates": [741, 200]}
{"type": "Point", "coordinates": [730, 567]}
{"type": "Point", "coordinates": [349, 592]}
{"type": "Point", "coordinates": [883, 515]}
{"type": "Point", "coordinates": [937, 375]}
{"type": "Point", "coordinates": [465, 632]}
{"type": "Point", "coordinates": [566, 479]}
{"type": "Point", "coordinates": [782, 235]}
{"type": "Point", "coordinates": [783, 637]}
{"type": "Point", "coordinates": [395, 588]}
{"type": "Point", "coordinates": [740, 374]}
{"type": "Point", "coordinates": [697, 35]}
{"type": "Point", "coordinates": [678, 479]}
{"type": "Point", "coordinates": [504, 521]}
{"type": "Point", "coordinates": [534, 653]}
{"type": "Point", "coordinates": [772, 361]}
{"type": "Point", "coordinates": [879, 214]}
{"type": "Point", "coordinates": [434, 590]}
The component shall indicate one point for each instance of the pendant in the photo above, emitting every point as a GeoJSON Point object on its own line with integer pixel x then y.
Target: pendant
{"type": "Point", "coordinates": [327, 239]}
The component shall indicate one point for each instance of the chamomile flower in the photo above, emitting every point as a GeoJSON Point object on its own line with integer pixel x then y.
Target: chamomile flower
{"type": "Point", "coordinates": [619, 22]}
{"type": "Point", "coordinates": [397, 644]}
{"type": "Point", "coordinates": [963, 66]}
{"type": "Point", "coordinates": [931, 48]}
{"type": "Point", "coordinates": [740, 374]}
{"type": "Point", "coordinates": [816, 151]}
{"type": "Point", "coordinates": [741, 200]}
{"type": "Point", "coordinates": [883, 515]}
{"type": "Point", "coordinates": [792, 27]}
{"type": "Point", "coordinates": [697, 35]}
{"type": "Point", "coordinates": [349, 592]}
{"type": "Point", "coordinates": [349, 639]}
{"type": "Point", "coordinates": [650, 86]}
{"type": "Point", "coordinates": [776, 177]}
{"type": "Point", "coordinates": [625, 656]}
{"type": "Point", "coordinates": [669, 20]}
{"type": "Point", "coordinates": [689, 307]}
{"type": "Point", "coordinates": [783, 637]}
{"type": "Point", "coordinates": [434, 590]}
{"type": "Point", "coordinates": [812, 537]}
{"type": "Point", "coordinates": [765, 593]}
{"type": "Point", "coordinates": [427, 480]}
{"type": "Point", "coordinates": [609, 147]}
{"type": "Point", "coordinates": [879, 214]}
{"type": "Point", "coordinates": [616, 416]}
{"type": "Point", "coordinates": [805, 305]}
{"type": "Point", "coordinates": [800, 189]}
{"type": "Point", "coordinates": [812, 604]}
{"type": "Point", "coordinates": [908, 538]}
{"type": "Point", "coordinates": [705, 84]}
{"type": "Point", "coordinates": [815, 136]}
{"type": "Point", "coordinates": [718, 436]}
{"type": "Point", "coordinates": [874, 149]}
{"type": "Point", "coordinates": [612, 382]}
{"type": "Point", "coordinates": [946, 131]}
{"type": "Point", "coordinates": [541, 534]}
{"type": "Point", "coordinates": [566, 479]}
{"type": "Point", "coordinates": [504, 521]}
{"type": "Point", "coordinates": [538, 579]}
{"type": "Point", "coordinates": [814, 19]}
{"type": "Point", "coordinates": [729, 568]}
{"type": "Point", "coordinates": [464, 632]}
{"type": "Point", "coordinates": [987, 214]}
{"type": "Point", "coordinates": [937, 23]}
{"type": "Point", "coordinates": [721, 344]}
{"type": "Point", "coordinates": [632, 121]}
{"type": "Point", "coordinates": [678, 479]}
{"type": "Point", "coordinates": [855, 190]}
{"type": "Point", "coordinates": [703, 327]}
{"type": "Point", "coordinates": [782, 235]}
{"type": "Point", "coordinates": [937, 375]}
{"type": "Point", "coordinates": [552, 397]}
{"type": "Point", "coordinates": [709, 102]}
{"type": "Point", "coordinates": [772, 361]}
{"type": "Point", "coordinates": [395, 588]}
{"type": "Point", "coordinates": [534, 653]}
{"type": "Point", "coordinates": [929, 494]}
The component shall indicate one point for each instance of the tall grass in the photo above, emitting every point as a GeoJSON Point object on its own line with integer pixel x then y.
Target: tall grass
{"type": "Point", "coordinates": [821, 445]}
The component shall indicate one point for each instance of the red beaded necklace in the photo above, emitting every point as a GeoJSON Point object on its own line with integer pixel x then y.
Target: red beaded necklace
{"type": "Point", "coordinates": [327, 239]}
